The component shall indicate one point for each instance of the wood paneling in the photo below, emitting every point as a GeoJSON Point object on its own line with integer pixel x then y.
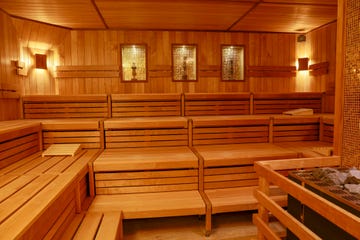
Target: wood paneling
{"type": "Point", "coordinates": [272, 50]}
{"type": "Point", "coordinates": [36, 38]}
{"type": "Point", "coordinates": [205, 15]}
{"type": "Point", "coordinates": [10, 85]}
{"type": "Point", "coordinates": [273, 17]}
{"type": "Point", "coordinates": [321, 48]}
{"type": "Point", "coordinates": [66, 13]}
{"type": "Point", "coordinates": [98, 48]}
{"type": "Point", "coordinates": [209, 15]}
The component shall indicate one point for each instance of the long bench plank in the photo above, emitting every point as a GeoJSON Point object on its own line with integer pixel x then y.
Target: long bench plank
{"type": "Point", "coordinates": [198, 104]}
{"type": "Point", "coordinates": [55, 106]}
{"type": "Point", "coordinates": [149, 205]}
{"type": "Point", "coordinates": [146, 105]}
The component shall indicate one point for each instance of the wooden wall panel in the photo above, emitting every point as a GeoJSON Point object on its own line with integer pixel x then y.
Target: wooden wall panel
{"type": "Point", "coordinates": [36, 38]}
{"type": "Point", "coordinates": [322, 48]}
{"type": "Point", "coordinates": [10, 83]}
{"type": "Point", "coordinates": [267, 49]}
{"type": "Point", "coordinates": [102, 47]}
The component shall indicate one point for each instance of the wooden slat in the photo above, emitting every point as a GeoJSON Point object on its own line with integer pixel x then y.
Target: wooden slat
{"type": "Point", "coordinates": [146, 123]}
{"type": "Point", "coordinates": [111, 226]}
{"type": "Point", "coordinates": [142, 105]}
{"type": "Point", "coordinates": [271, 71]}
{"type": "Point", "coordinates": [88, 71]}
{"type": "Point", "coordinates": [54, 106]}
{"type": "Point", "coordinates": [89, 226]}
{"type": "Point", "coordinates": [145, 158]}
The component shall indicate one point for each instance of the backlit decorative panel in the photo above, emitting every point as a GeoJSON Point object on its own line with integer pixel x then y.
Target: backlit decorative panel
{"type": "Point", "coordinates": [133, 62]}
{"type": "Point", "coordinates": [184, 61]}
{"type": "Point", "coordinates": [351, 114]}
{"type": "Point", "coordinates": [232, 63]}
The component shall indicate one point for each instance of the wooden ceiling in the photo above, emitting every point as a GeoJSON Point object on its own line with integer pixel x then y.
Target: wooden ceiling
{"type": "Point", "coordinates": [294, 16]}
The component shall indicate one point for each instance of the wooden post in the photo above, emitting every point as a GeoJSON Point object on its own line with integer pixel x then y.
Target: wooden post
{"type": "Point", "coordinates": [263, 213]}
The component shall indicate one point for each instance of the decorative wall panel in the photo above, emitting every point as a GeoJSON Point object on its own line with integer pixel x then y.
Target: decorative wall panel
{"type": "Point", "coordinates": [351, 128]}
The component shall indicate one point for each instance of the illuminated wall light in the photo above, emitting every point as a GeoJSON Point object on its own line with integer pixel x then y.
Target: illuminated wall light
{"type": "Point", "coordinates": [40, 61]}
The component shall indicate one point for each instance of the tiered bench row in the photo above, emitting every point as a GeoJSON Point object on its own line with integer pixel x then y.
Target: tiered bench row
{"type": "Point", "coordinates": [139, 167]}
{"type": "Point", "coordinates": [172, 104]}
{"type": "Point", "coordinates": [39, 195]}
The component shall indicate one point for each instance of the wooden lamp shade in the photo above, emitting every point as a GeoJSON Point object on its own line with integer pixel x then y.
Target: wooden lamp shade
{"type": "Point", "coordinates": [40, 61]}
{"type": "Point", "coordinates": [303, 64]}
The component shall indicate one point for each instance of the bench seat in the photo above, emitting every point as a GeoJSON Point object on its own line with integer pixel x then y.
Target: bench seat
{"type": "Point", "coordinates": [131, 159]}
{"type": "Point", "coordinates": [240, 199]}
{"type": "Point", "coordinates": [305, 149]}
{"type": "Point", "coordinates": [241, 154]}
{"type": "Point", "coordinates": [40, 195]}
{"type": "Point", "coordinates": [229, 176]}
{"type": "Point", "coordinates": [150, 205]}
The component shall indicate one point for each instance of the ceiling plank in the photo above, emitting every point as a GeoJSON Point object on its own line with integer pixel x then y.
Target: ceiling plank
{"type": "Point", "coordinates": [172, 15]}
{"type": "Point", "coordinates": [65, 13]}
{"type": "Point", "coordinates": [268, 17]}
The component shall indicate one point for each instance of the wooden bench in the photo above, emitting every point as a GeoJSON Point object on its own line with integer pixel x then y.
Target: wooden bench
{"type": "Point", "coordinates": [295, 128]}
{"type": "Point", "coordinates": [146, 105]}
{"type": "Point", "coordinates": [55, 106]}
{"type": "Point", "coordinates": [277, 103]}
{"type": "Point", "coordinates": [95, 225]}
{"type": "Point", "coordinates": [227, 148]}
{"type": "Point", "coordinates": [302, 134]}
{"type": "Point", "coordinates": [200, 104]}
{"type": "Point", "coordinates": [147, 170]}
{"type": "Point", "coordinates": [39, 195]}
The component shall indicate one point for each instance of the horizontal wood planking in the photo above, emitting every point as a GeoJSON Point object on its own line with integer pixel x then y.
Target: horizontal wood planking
{"type": "Point", "coordinates": [89, 106]}
{"type": "Point", "coordinates": [234, 129]}
{"type": "Point", "coordinates": [160, 204]}
{"type": "Point", "coordinates": [271, 71]}
{"type": "Point", "coordinates": [275, 103]}
{"type": "Point", "coordinates": [146, 181]}
{"type": "Point", "coordinates": [197, 104]}
{"type": "Point", "coordinates": [87, 132]}
{"type": "Point", "coordinates": [90, 71]}
{"type": "Point", "coordinates": [145, 105]}
{"type": "Point", "coordinates": [18, 141]}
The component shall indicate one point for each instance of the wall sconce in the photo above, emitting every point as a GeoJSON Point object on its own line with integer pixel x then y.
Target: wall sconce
{"type": "Point", "coordinates": [303, 64]}
{"type": "Point", "coordinates": [40, 61]}
{"type": "Point", "coordinates": [20, 68]}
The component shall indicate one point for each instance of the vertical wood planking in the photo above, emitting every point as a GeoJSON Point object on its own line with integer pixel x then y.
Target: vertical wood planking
{"type": "Point", "coordinates": [101, 47]}
{"type": "Point", "coordinates": [10, 83]}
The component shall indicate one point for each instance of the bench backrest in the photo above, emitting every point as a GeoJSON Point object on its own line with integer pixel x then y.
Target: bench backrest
{"type": "Point", "coordinates": [18, 140]}
{"type": "Point", "coordinates": [199, 104]}
{"type": "Point", "coordinates": [55, 106]}
{"type": "Point", "coordinates": [296, 128]}
{"type": "Point", "coordinates": [146, 105]}
{"type": "Point", "coordinates": [146, 132]}
{"type": "Point", "coordinates": [87, 132]}
{"type": "Point", "coordinates": [327, 129]}
{"type": "Point", "coordinates": [230, 130]}
{"type": "Point", "coordinates": [277, 103]}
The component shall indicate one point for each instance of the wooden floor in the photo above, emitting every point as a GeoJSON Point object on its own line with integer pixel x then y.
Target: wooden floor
{"type": "Point", "coordinates": [226, 226]}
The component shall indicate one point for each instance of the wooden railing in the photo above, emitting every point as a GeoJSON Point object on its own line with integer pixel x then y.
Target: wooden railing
{"type": "Point", "coordinates": [268, 174]}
